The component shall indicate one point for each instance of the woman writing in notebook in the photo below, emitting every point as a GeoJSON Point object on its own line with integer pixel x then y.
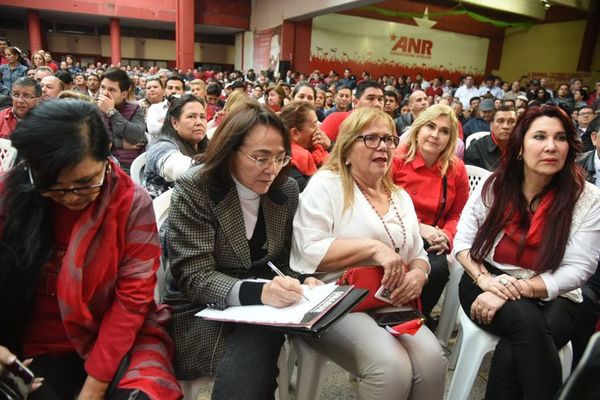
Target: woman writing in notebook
{"type": "Point", "coordinates": [228, 218]}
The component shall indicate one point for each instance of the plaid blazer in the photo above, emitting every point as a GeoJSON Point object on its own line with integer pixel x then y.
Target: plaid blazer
{"type": "Point", "coordinates": [208, 254]}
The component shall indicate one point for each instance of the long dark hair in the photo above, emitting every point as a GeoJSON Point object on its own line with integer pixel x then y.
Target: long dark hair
{"type": "Point", "coordinates": [505, 188]}
{"type": "Point", "coordinates": [175, 109]}
{"type": "Point", "coordinates": [230, 135]}
{"type": "Point", "coordinates": [55, 135]}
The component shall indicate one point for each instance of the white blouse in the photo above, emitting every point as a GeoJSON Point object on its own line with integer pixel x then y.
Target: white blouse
{"type": "Point", "coordinates": [319, 220]}
{"type": "Point", "coordinates": [581, 254]}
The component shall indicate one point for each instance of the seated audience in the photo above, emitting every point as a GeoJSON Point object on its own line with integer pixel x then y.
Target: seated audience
{"type": "Point", "coordinates": [480, 119]}
{"type": "Point", "coordinates": [123, 119]}
{"type": "Point", "coordinates": [486, 152]}
{"type": "Point", "coordinates": [79, 251]}
{"type": "Point", "coordinates": [309, 144]}
{"type": "Point", "coordinates": [51, 87]}
{"type": "Point", "coordinates": [13, 69]}
{"type": "Point", "coordinates": [274, 96]}
{"type": "Point", "coordinates": [351, 214]}
{"type": "Point", "coordinates": [305, 92]}
{"type": "Point", "coordinates": [181, 139]}
{"type": "Point", "coordinates": [226, 220]}
{"type": "Point", "coordinates": [529, 238]}
{"type": "Point", "coordinates": [26, 94]}
{"type": "Point", "coordinates": [436, 180]}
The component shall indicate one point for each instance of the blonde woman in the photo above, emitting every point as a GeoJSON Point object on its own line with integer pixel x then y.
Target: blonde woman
{"type": "Point", "coordinates": [352, 214]}
{"type": "Point", "coordinates": [436, 180]}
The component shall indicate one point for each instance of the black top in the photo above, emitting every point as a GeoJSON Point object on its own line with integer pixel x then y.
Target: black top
{"type": "Point", "coordinates": [483, 153]}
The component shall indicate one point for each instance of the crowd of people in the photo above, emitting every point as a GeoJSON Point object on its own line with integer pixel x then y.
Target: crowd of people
{"type": "Point", "coordinates": [315, 173]}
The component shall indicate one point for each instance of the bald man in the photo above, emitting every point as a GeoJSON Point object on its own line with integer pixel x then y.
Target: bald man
{"type": "Point", "coordinates": [417, 102]}
{"type": "Point", "coordinates": [51, 87]}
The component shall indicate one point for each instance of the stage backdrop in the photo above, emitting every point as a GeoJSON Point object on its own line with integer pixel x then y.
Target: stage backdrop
{"type": "Point", "coordinates": [382, 47]}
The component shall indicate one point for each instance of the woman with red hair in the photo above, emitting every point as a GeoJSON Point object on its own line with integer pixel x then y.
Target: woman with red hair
{"type": "Point", "coordinates": [529, 238]}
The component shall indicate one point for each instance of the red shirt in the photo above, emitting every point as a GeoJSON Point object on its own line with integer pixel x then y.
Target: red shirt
{"type": "Point", "coordinates": [424, 186]}
{"type": "Point", "coordinates": [431, 91]}
{"type": "Point", "coordinates": [8, 122]}
{"type": "Point", "coordinates": [45, 333]}
{"type": "Point", "coordinates": [331, 124]}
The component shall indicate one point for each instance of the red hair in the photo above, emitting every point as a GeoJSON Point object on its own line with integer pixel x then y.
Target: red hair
{"type": "Point", "coordinates": [504, 189]}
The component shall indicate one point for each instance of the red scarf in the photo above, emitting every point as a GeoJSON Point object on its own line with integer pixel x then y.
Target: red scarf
{"type": "Point", "coordinates": [308, 162]}
{"type": "Point", "coordinates": [105, 290]}
{"type": "Point", "coordinates": [521, 248]}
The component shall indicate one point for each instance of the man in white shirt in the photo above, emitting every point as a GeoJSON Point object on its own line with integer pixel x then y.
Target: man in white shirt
{"type": "Point", "coordinates": [467, 91]}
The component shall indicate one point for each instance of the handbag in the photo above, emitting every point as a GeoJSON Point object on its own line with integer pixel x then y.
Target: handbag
{"type": "Point", "coordinates": [368, 277]}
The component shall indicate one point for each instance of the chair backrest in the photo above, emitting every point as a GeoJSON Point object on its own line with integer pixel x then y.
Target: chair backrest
{"type": "Point", "coordinates": [8, 155]}
{"type": "Point", "coordinates": [161, 207]}
{"type": "Point", "coordinates": [476, 175]}
{"type": "Point", "coordinates": [137, 169]}
{"type": "Point", "coordinates": [475, 136]}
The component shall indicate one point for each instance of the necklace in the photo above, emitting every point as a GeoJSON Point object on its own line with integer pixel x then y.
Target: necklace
{"type": "Point", "coordinates": [387, 230]}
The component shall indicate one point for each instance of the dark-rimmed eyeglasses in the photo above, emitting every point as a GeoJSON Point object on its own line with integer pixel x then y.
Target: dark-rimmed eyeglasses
{"type": "Point", "coordinates": [372, 140]}
{"type": "Point", "coordinates": [77, 191]}
{"type": "Point", "coordinates": [264, 162]}
{"type": "Point", "coordinates": [23, 96]}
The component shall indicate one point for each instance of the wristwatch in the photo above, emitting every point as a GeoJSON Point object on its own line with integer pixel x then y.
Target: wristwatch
{"type": "Point", "coordinates": [110, 112]}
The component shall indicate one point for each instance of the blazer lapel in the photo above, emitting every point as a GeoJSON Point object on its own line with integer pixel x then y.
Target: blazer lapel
{"type": "Point", "coordinates": [275, 212]}
{"type": "Point", "coordinates": [229, 215]}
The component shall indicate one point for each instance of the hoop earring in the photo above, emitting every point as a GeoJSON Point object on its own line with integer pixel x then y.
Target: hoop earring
{"type": "Point", "coordinates": [520, 157]}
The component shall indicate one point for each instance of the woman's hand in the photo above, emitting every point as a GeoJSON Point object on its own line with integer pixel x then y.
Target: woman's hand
{"type": "Point", "coordinates": [504, 286]}
{"type": "Point", "coordinates": [410, 287]}
{"type": "Point", "coordinates": [312, 282]}
{"type": "Point", "coordinates": [319, 137]}
{"type": "Point", "coordinates": [485, 307]}
{"type": "Point", "coordinates": [436, 238]}
{"type": "Point", "coordinates": [281, 292]}
{"type": "Point", "coordinates": [6, 358]}
{"type": "Point", "coordinates": [93, 389]}
{"type": "Point", "coordinates": [392, 263]}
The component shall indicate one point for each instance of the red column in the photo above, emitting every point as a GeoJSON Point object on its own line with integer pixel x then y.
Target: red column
{"type": "Point", "coordinates": [115, 41]}
{"type": "Point", "coordinates": [35, 31]}
{"type": "Point", "coordinates": [184, 34]}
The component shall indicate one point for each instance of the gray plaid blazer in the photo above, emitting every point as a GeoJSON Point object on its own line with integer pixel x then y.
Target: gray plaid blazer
{"type": "Point", "coordinates": [208, 253]}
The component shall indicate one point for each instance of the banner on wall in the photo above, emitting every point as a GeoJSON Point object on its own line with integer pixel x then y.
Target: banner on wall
{"type": "Point", "coordinates": [382, 47]}
{"type": "Point", "coordinates": [267, 48]}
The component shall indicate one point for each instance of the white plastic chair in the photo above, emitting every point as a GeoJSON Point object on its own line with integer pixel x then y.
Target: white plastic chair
{"type": "Point", "coordinates": [451, 303]}
{"type": "Point", "coordinates": [475, 176]}
{"type": "Point", "coordinates": [478, 344]}
{"type": "Point", "coordinates": [137, 169]}
{"type": "Point", "coordinates": [8, 155]}
{"type": "Point", "coordinates": [161, 211]}
{"type": "Point", "coordinates": [475, 136]}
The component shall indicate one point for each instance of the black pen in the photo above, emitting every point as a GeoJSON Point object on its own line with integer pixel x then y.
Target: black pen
{"type": "Point", "coordinates": [278, 272]}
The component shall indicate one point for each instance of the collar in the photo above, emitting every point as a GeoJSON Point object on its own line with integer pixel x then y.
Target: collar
{"type": "Point", "coordinates": [596, 161]}
{"type": "Point", "coordinates": [490, 143]}
{"type": "Point", "coordinates": [244, 192]}
{"type": "Point", "coordinates": [419, 162]}
{"type": "Point", "coordinates": [218, 193]}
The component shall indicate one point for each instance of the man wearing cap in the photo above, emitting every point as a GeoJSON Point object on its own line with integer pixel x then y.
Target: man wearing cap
{"type": "Point", "coordinates": [480, 122]}
{"type": "Point", "coordinates": [486, 151]}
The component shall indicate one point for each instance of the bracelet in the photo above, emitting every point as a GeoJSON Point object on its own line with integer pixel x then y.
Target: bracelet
{"type": "Point", "coordinates": [533, 296]}
{"type": "Point", "coordinates": [477, 278]}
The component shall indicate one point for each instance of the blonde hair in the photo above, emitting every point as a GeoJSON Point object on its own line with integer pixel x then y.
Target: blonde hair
{"type": "Point", "coordinates": [234, 99]}
{"type": "Point", "coordinates": [350, 129]}
{"type": "Point", "coordinates": [447, 157]}
{"type": "Point", "coordinates": [71, 94]}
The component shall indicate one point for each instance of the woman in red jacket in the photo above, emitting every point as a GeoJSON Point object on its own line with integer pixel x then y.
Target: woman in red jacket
{"type": "Point", "coordinates": [436, 180]}
{"type": "Point", "coordinates": [78, 254]}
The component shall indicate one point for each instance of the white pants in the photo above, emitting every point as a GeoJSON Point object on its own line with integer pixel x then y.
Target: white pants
{"type": "Point", "coordinates": [388, 368]}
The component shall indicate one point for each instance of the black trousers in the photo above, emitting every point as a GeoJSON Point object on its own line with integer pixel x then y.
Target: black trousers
{"type": "Point", "coordinates": [248, 369]}
{"type": "Point", "coordinates": [525, 364]}
{"type": "Point", "coordinates": [438, 277]}
{"type": "Point", "coordinates": [64, 377]}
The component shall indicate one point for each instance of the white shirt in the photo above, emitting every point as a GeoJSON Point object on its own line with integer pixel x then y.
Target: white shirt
{"type": "Point", "coordinates": [155, 117]}
{"type": "Point", "coordinates": [581, 254]}
{"type": "Point", "coordinates": [250, 203]}
{"type": "Point", "coordinates": [465, 94]}
{"type": "Point", "coordinates": [597, 167]}
{"type": "Point", "coordinates": [319, 220]}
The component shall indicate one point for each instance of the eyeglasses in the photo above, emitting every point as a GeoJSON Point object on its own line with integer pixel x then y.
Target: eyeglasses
{"type": "Point", "coordinates": [77, 191]}
{"type": "Point", "coordinates": [372, 140]}
{"type": "Point", "coordinates": [23, 96]}
{"type": "Point", "coordinates": [264, 162]}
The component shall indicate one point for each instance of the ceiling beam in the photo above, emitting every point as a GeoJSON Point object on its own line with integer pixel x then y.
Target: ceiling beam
{"type": "Point", "coordinates": [528, 8]}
